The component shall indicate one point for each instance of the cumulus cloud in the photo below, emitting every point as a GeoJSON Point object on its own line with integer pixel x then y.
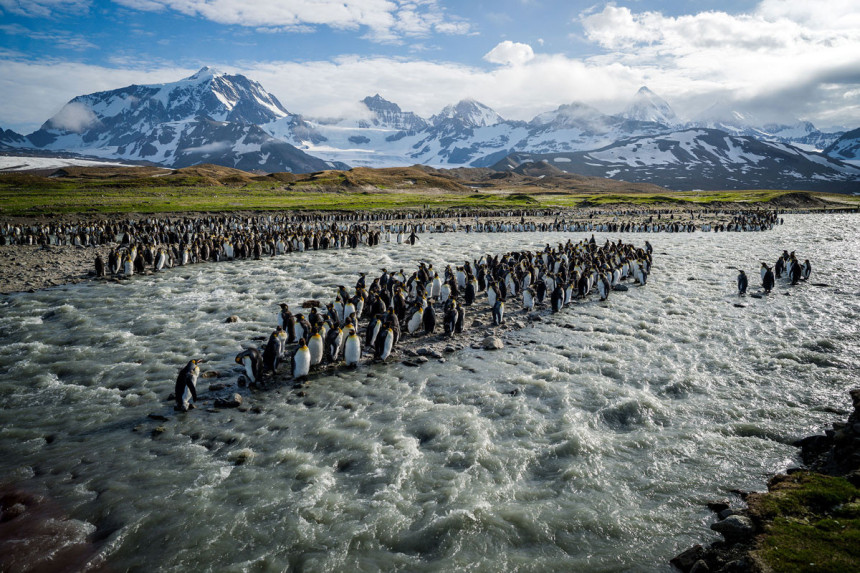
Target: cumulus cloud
{"type": "Point", "coordinates": [75, 117]}
{"type": "Point", "coordinates": [781, 67]}
{"type": "Point", "coordinates": [510, 53]}
{"type": "Point", "coordinates": [385, 20]}
{"type": "Point", "coordinates": [756, 59]}
{"type": "Point", "coordinates": [44, 8]}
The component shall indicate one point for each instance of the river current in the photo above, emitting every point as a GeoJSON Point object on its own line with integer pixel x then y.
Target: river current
{"type": "Point", "coordinates": [589, 443]}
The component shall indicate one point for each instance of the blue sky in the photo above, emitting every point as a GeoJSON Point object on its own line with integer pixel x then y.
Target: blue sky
{"type": "Point", "coordinates": [779, 60]}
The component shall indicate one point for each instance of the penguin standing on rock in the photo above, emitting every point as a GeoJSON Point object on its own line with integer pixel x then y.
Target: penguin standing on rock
{"type": "Point", "coordinates": [301, 360]}
{"type": "Point", "coordinates": [272, 353]}
{"type": "Point", "coordinates": [100, 266]}
{"type": "Point", "coordinates": [498, 312]}
{"type": "Point", "coordinates": [315, 346]}
{"type": "Point", "coordinates": [333, 341]}
{"type": "Point", "coordinates": [352, 349]}
{"type": "Point", "coordinates": [252, 361]}
{"type": "Point", "coordinates": [429, 319]}
{"type": "Point", "coordinates": [185, 390]}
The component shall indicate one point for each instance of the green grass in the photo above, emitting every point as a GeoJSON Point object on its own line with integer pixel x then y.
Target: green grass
{"type": "Point", "coordinates": [813, 524]}
{"type": "Point", "coordinates": [331, 190]}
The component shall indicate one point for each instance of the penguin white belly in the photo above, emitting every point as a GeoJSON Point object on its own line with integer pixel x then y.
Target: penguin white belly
{"type": "Point", "coordinates": [249, 370]}
{"type": "Point", "coordinates": [414, 322]}
{"type": "Point", "coordinates": [352, 351]}
{"type": "Point", "coordinates": [315, 347]}
{"type": "Point", "coordinates": [301, 363]}
{"type": "Point", "coordinates": [386, 346]}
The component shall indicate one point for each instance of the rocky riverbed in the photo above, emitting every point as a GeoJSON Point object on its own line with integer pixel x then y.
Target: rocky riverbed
{"type": "Point", "coordinates": [754, 543]}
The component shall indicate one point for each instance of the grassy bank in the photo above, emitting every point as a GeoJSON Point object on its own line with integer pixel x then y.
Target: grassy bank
{"type": "Point", "coordinates": [811, 522]}
{"type": "Point", "coordinates": [97, 191]}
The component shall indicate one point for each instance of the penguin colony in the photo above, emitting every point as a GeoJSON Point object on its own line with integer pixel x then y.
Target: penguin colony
{"type": "Point", "coordinates": [155, 244]}
{"type": "Point", "coordinates": [173, 233]}
{"type": "Point", "coordinates": [373, 318]}
{"type": "Point", "coordinates": [787, 265]}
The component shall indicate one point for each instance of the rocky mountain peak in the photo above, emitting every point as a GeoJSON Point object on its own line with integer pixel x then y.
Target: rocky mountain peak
{"type": "Point", "coordinates": [648, 106]}
{"type": "Point", "coordinates": [470, 113]}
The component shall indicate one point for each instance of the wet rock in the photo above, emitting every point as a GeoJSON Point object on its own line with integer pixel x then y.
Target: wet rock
{"type": "Point", "coordinates": [422, 360]}
{"type": "Point", "coordinates": [535, 317]}
{"type": "Point", "coordinates": [410, 363]}
{"type": "Point", "coordinates": [700, 567]}
{"type": "Point", "coordinates": [739, 305]}
{"type": "Point", "coordinates": [231, 319]}
{"type": "Point", "coordinates": [217, 387]}
{"type": "Point", "coordinates": [514, 392]}
{"type": "Point", "coordinates": [256, 409]}
{"type": "Point", "coordinates": [735, 528]}
{"type": "Point", "coordinates": [691, 278]}
{"type": "Point", "coordinates": [157, 417]}
{"type": "Point", "coordinates": [243, 381]}
{"type": "Point", "coordinates": [621, 288]}
{"type": "Point", "coordinates": [233, 401]}
{"type": "Point", "coordinates": [210, 374]}
{"type": "Point", "coordinates": [158, 430]}
{"type": "Point", "coordinates": [686, 560]}
{"type": "Point", "coordinates": [726, 513]}
{"type": "Point", "coordinates": [410, 352]}
{"type": "Point", "coordinates": [492, 343]}
{"type": "Point", "coordinates": [13, 511]}
{"type": "Point", "coordinates": [718, 506]}
{"type": "Point", "coordinates": [477, 323]}
{"type": "Point", "coordinates": [449, 349]}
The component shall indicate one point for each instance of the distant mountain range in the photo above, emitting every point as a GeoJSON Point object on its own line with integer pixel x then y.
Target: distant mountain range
{"type": "Point", "coordinates": [230, 120]}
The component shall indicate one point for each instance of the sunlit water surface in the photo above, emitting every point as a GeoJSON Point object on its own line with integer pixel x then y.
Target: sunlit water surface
{"type": "Point", "coordinates": [655, 402]}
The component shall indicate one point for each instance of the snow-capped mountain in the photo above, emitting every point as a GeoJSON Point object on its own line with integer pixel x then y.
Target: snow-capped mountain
{"type": "Point", "coordinates": [467, 113]}
{"type": "Point", "coordinates": [388, 115]}
{"type": "Point", "coordinates": [803, 134]}
{"type": "Point", "coordinates": [704, 159]}
{"type": "Point", "coordinates": [649, 107]}
{"type": "Point", "coordinates": [169, 123]}
{"type": "Point", "coordinates": [230, 120]}
{"type": "Point", "coordinates": [10, 139]}
{"type": "Point", "coordinates": [846, 148]}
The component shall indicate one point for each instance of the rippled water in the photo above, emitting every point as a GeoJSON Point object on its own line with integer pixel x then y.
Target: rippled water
{"type": "Point", "coordinates": [629, 414]}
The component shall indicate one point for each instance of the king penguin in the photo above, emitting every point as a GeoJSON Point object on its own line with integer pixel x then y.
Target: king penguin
{"type": "Point", "coordinates": [315, 347]}
{"type": "Point", "coordinates": [498, 312]}
{"type": "Point", "coordinates": [185, 390]}
{"type": "Point", "coordinates": [352, 349]}
{"type": "Point", "coordinates": [252, 361]}
{"type": "Point", "coordinates": [301, 360]}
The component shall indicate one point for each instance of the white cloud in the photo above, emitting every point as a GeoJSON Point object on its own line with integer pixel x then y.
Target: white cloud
{"type": "Point", "coordinates": [772, 59]}
{"type": "Point", "coordinates": [781, 67]}
{"type": "Point", "coordinates": [208, 148]}
{"type": "Point", "coordinates": [44, 8]}
{"type": "Point", "coordinates": [35, 91]}
{"type": "Point", "coordinates": [62, 39]}
{"type": "Point", "coordinates": [385, 20]}
{"type": "Point", "coordinates": [75, 117]}
{"type": "Point", "coordinates": [510, 53]}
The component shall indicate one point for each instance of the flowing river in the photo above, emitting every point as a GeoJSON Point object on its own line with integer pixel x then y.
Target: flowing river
{"type": "Point", "coordinates": [589, 443]}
